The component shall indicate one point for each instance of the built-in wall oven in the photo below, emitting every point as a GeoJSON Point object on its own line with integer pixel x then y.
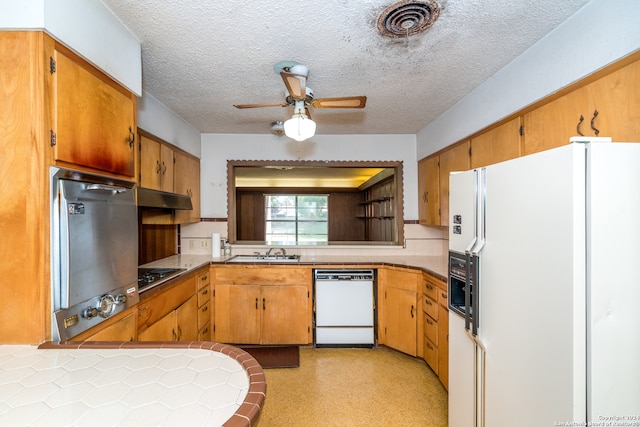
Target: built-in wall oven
{"type": "Point", "coordinates": [462, 278]}
{"type": "Point", "coordinates": [94, 250]}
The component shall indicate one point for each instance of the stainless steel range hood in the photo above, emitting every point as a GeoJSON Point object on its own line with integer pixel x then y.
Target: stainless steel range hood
{"type": "Point", "coordinates": [159, 199]}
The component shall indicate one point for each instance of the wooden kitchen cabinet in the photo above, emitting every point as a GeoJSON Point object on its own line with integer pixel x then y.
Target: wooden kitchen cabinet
{"type": "Point", "coordinates": [170, 313]}
{"type": "Point", "coordinates": [443, 340]}
{"type": "Point", "coordinates": [452, 159]}
{"type": "Point", "coordinates": [94, 117]}
{"type": "Point", "coordinates": [121, 327]}
{"type": "Point", "coordinates": [496, 145]}
{"type": "Point", "coordinates": [431, 321]}
{"type": "Point", "coordinates": [180, 324]}
{"type": "Point", "coordinates": [398, 301]}
{"type": "Point", "coordinates": [187, 182]}
{"type": "Point", "coordinates": [609, 106]}
{"type": "Point", "coordinates": [74, 117]}
{"type": "Point", "coordinates": [262, 305]}
{"type": "Point", "coordinates": [433, 183]}
{"type": "Point", "coordinates": [429, 191]}
{"type": "Point", "coordinates": [156, 164]}
{"type": "Point", "coordinates": [205, 307]}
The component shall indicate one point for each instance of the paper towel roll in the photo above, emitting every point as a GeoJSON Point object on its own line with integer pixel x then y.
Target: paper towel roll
{"type": "Point", "coordinates": [215, 245]}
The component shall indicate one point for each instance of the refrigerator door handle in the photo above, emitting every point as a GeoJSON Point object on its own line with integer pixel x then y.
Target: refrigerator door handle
{"type": "Point", "coordinates": [480, 381]}
{"type": "Point", "coordinates": [467, 292]}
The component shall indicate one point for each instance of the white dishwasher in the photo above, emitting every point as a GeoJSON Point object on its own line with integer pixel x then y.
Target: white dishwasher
{"type": "Point", "coordinates": [344, 304]}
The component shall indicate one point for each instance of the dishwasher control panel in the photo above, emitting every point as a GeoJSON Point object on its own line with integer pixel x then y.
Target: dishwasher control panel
{"type": "Point", "coordinates": [343, 274]}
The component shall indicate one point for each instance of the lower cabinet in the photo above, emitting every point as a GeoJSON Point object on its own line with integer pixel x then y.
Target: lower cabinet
{"type": "Point", "coordinates": [172, 313]}
{"type": "Point", "coordinates": [398, 327]}
{"type": "Point", "coordinates": [180, 324]}
{"type": "Point", "coordinates": [120, 328]}
{"type": "Point", "coordinates": [261, 314]}
{"type": "Point", "coordinates": [204, 306]}
{"type": "Point", "coordinates": [436, 326]}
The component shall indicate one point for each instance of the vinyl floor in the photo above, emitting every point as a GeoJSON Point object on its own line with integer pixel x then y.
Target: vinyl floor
{"type": "Point", "coordinates": [354, 387]}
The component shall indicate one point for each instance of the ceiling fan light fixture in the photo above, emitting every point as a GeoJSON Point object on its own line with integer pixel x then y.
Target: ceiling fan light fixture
{"type": "Point", "coordinates": [299, 127]}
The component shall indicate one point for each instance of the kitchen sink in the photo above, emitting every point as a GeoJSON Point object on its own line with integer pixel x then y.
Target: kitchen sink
{"type": "Point", "coordinates": [263, 258]}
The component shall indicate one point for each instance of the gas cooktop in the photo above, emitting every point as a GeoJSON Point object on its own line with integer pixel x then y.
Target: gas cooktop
{"type": "Point", "coordinates": [150, 277]}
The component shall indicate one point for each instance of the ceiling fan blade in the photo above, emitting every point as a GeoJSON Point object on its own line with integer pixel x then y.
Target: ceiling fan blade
{"type": "Point", "coordinates": [270, 104]}
{"type": "Point", "coordinates": [344, 102]}
{"type": "Point", "coordinates": [296, 84]}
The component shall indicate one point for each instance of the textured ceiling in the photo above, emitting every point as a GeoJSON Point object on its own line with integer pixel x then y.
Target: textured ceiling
{"type": "Point", "coordinates": [201, 56]}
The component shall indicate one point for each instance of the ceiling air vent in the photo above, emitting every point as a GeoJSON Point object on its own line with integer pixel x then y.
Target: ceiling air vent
{"type": "Point", "coordinates": [407, 18]}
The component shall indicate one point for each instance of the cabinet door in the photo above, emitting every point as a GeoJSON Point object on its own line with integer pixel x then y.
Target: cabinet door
{"type": "Point", "coordinates": [454, 159]}
{"type": "Point", "coordinates": [187, 182]}
{"type": "Point", "coordinates": [443, 345]}
{"type": "Point", "coordinates": [497, 145]}
{"type": "Point", "coordinates": [187, 320]}
{"type": "Point", "coordinates": [149, 163]}
{"type": "Point", "coordinates": [122, 330]}
{"type": "Point", "coordinates": [285, 317]}
{"type": "Point", "coordinates": [552, 124]}
{"type": "Point", "coordinates": [237, 314]}
{"type": "Point", "coordinates": [616, 98]}
{"type": "Point", "coordinates": [429, 191]}
{"type": "Point", "coordinates": [162, 330]}
{"type": "Point", "coordinates": [94, 118]}
{"type": "Point", "coordinates": [400, 319]}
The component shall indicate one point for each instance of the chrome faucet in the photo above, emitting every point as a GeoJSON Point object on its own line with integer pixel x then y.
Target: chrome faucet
{"type": "Point", "coordinates": [268, 253]}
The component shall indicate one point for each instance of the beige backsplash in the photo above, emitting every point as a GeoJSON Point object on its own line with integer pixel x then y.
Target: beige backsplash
{"type": "Point", "coordinates": [419, 241]}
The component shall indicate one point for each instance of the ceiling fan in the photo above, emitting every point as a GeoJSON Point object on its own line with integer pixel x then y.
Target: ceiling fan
{"type": "Point", "coordinates": [300, 126]}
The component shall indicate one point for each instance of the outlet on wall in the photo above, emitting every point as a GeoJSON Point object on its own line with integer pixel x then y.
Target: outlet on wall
{"type": "Point", "coordinates": [192, 243]}
{"type": "Point", "coordinates": [204, 243]}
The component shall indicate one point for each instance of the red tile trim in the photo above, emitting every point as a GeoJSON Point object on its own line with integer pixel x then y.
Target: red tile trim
{"type": "Point", "coordinates": [248, 412]}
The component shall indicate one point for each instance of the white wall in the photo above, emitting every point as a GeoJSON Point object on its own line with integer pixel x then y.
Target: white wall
{"type": "Point", "coordinates": [218, 148]}
{"type": "Point", "coordinates": [87, 27]}
{"type": "Point", "coordinates": [600, 33]}
{"type": "Point", "coordinates": [157, 119]}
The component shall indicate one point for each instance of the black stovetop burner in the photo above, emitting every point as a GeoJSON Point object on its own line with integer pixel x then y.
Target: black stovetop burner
{"type": "Point", "coordinates": [149, 277]}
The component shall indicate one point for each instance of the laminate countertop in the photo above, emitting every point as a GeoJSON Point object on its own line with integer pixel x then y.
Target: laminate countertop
{"type": "Point", "coordinates": [129, 384]}
{"type": "Point", "coordinates": [435, 265]}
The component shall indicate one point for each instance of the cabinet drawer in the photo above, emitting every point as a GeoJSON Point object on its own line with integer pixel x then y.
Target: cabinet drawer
{"type": "Point", "coordinates": [431, 329]}
{"type": "Point", "coordinates": [204, 314]}
{"type": "Point", "coordinates": [430, 290]}
{"type": "Point", "coordinates": [431, 354]}
{"type": "Point", "coordinates": [204, 334]}
{"type": "Point", "coordinates": [204, 295]}
{"type": "Point", "coordinates": [202, 280]}
{"type": "Point", "coordinates": [430, 307]}
{"type": "Point", "coordinates": [443, 299]}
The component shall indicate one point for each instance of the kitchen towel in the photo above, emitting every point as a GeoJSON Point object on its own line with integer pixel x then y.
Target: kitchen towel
{"type": "Point", "coordinates": [215, 245]}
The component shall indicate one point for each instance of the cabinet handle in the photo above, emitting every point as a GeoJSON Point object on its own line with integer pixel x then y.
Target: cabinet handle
{"type": "Point", "coordinates": [427, 301]}
{"type": "Point", "coordinates": [205, 308]}
{"type": "Point", "coordinates": [429, 346]}
{"type": "Point", "coordinates": [429, 321]}
{"type": "Point", "coordinates": [443, 295]}
{"type": "Point", "coordinates": [179, 333]}
{"type": "Point", "coordinates": [424, 196]}
{"type": "Point", "coordinates": [173, 334]}
{"type": "Point", "coordinates": [256, 303]}
{"type": "Point", "coordinates": [428, 286]}
{"type": "Point", "coordinates": [579, 123]}
{"type": "Point", "coordinates": [412, 308]}
{"type": "Point", "coordinates": [133, 137]}
{"type": "Point", "coordinates": [595, 130]}
{"type": "Point", "coordinates": [264, 303]}
{"type": "Point", "coordinates": [206, 291]}
{"type": "Point", "coordinates": [157, 166]}
{"type": "Point", "coordinates": [164, 168]}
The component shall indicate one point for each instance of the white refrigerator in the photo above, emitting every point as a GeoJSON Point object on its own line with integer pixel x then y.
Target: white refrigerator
{"type": "Point", "coordinates": [552, 245]}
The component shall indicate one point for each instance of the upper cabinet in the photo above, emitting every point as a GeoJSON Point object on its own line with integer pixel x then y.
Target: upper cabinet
{"type": "Point", "coordinates": [156, 165]}
{"type": "Point", "coordinates": [187, 182]}
{"type": "Point", "coordinates": [433, 184]}
{"type": "Point", "coordinates": [608, 106]}
{"type": "Point", "coordinates": [429, 191]}
{"type": "Point", "coordinates": [93, 117]}
{"type": "Point", "coordinates": [496, 145]}
{"type": "Point", "coordinates": [164, 167]}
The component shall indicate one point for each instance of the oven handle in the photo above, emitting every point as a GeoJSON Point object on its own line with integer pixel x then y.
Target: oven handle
{"type": "Point", "coordinates": [104, 187]}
